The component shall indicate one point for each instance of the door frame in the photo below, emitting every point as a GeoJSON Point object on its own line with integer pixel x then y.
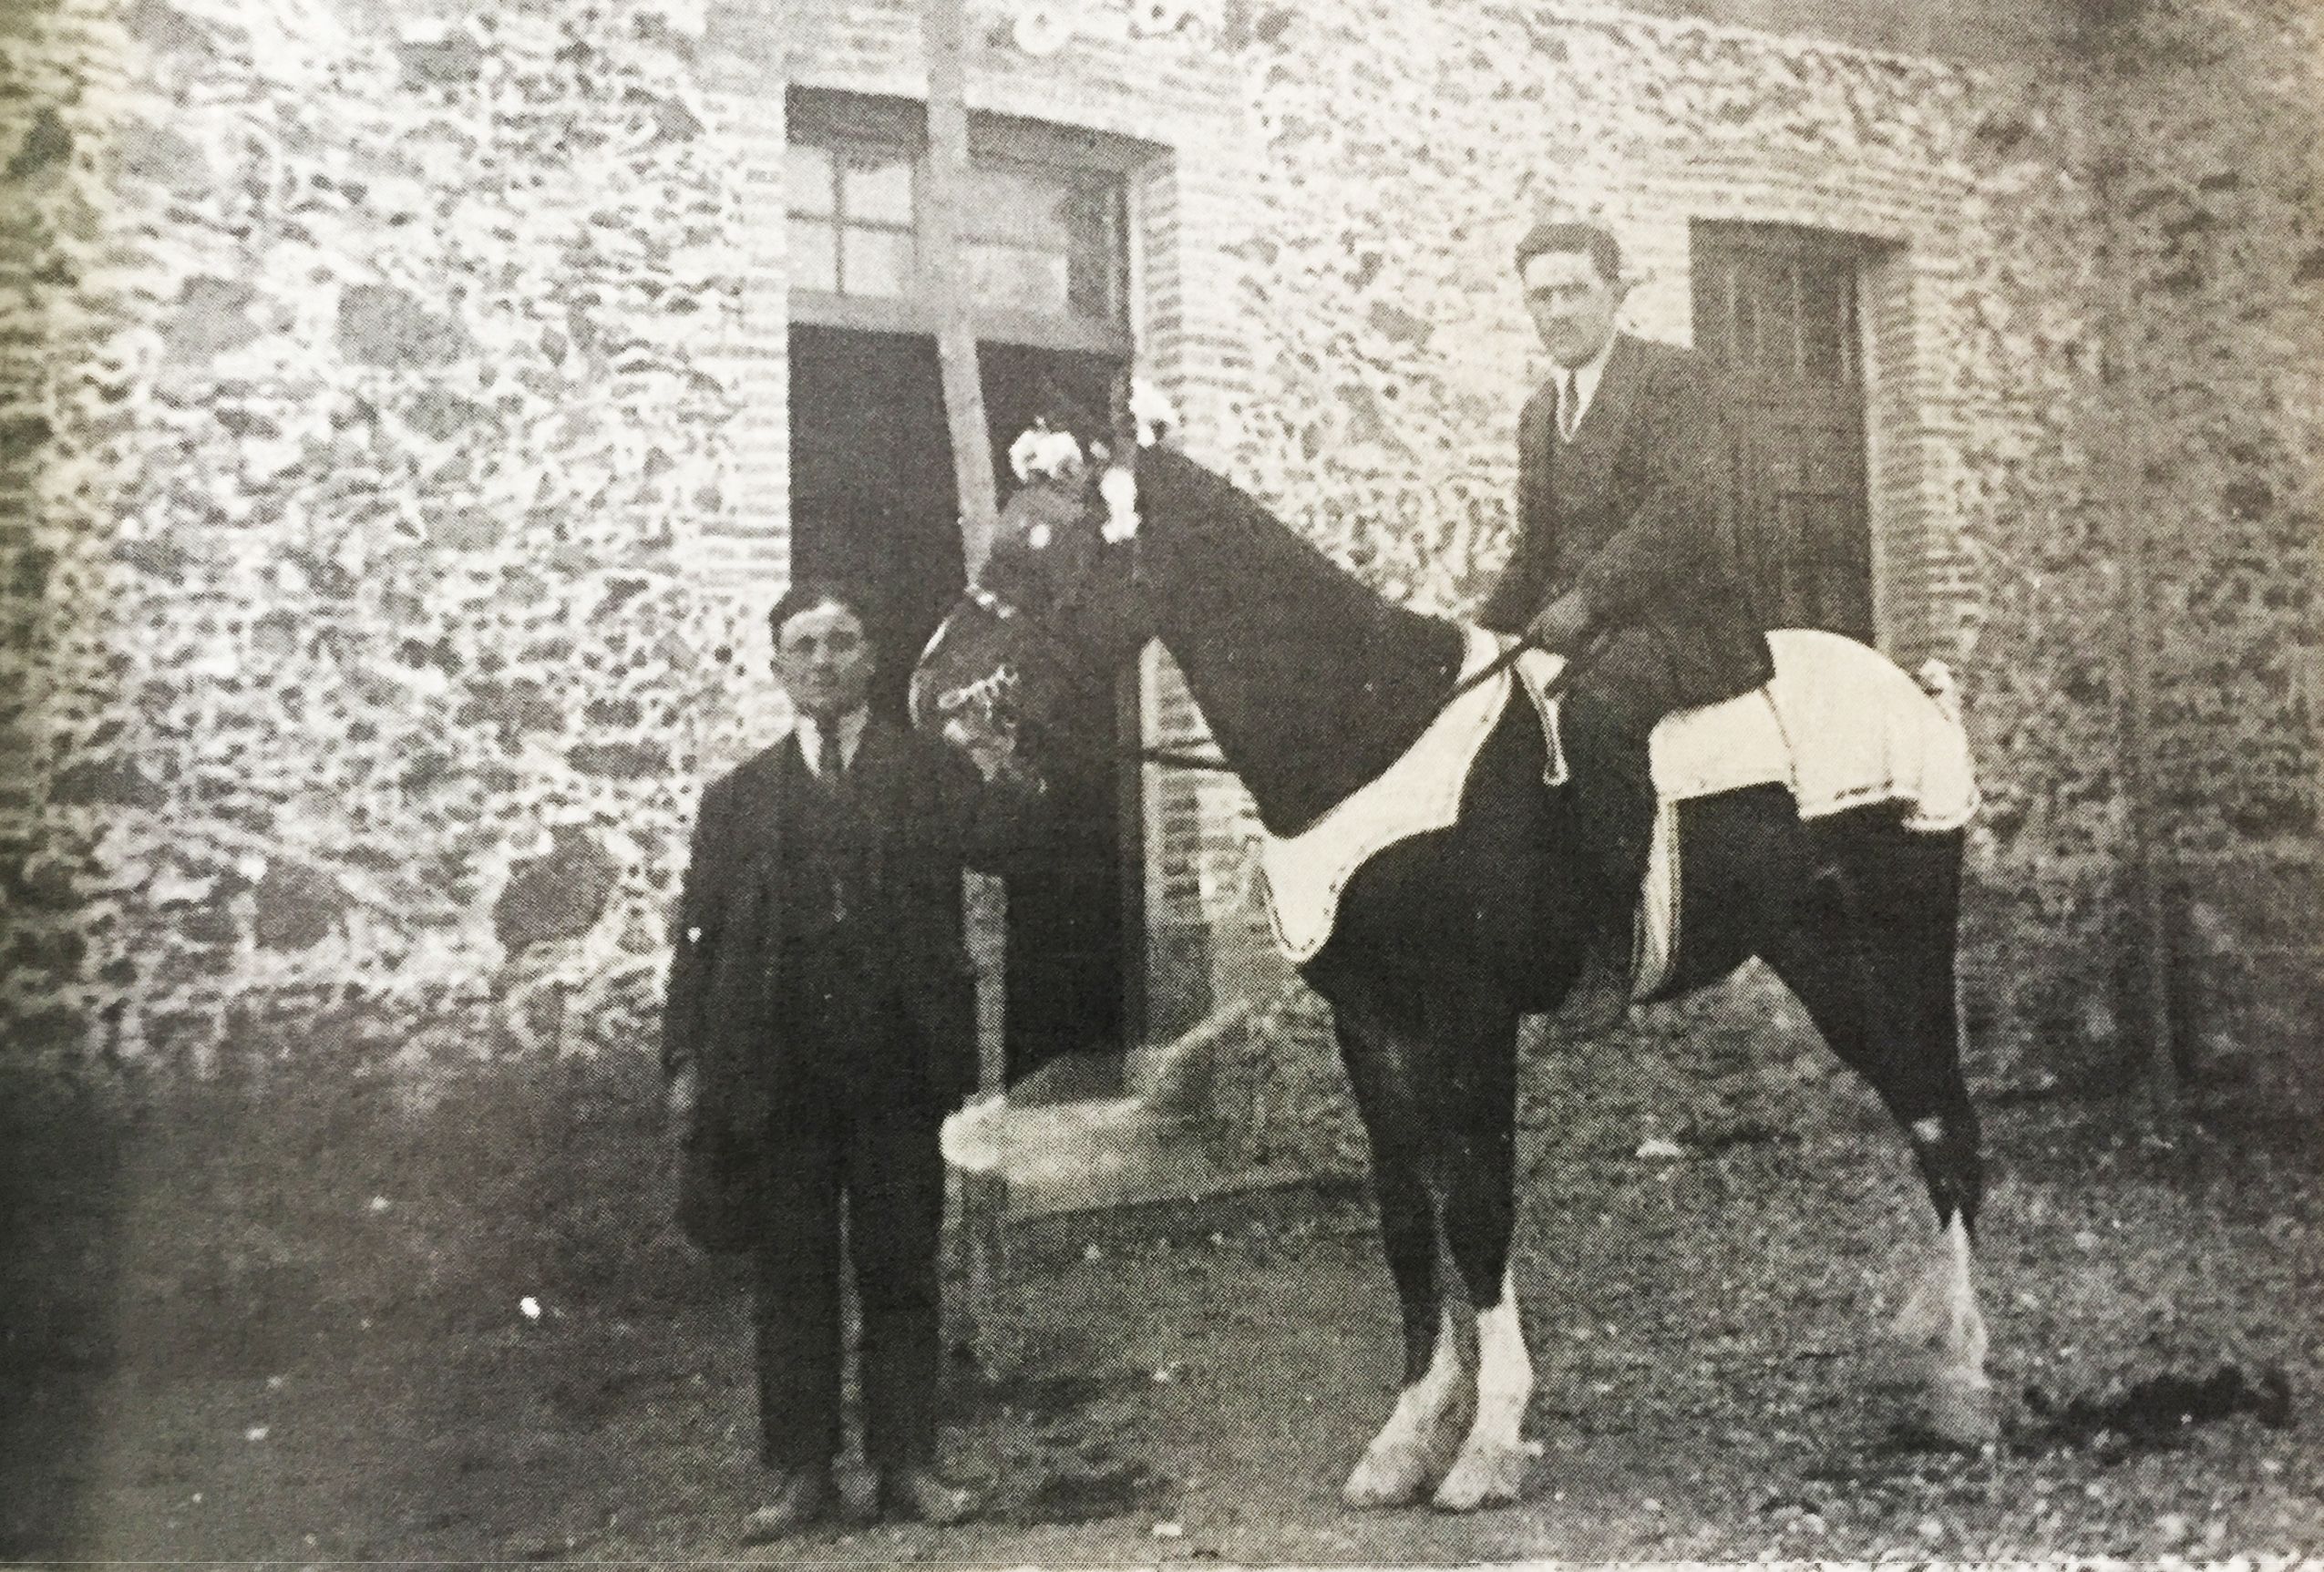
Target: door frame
{"type": "Point", "coordinates": [1860, 256]}
{"type": "Point", "coordinates": [841, 119]}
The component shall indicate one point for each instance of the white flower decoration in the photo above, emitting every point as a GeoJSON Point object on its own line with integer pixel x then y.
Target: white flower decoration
{"type": "Point", "coordinates": [1042, 454]}
{"type": "Point", "coordinates": [1118, 487]}
{"type": "Point", "coordinates": [1152, 409]}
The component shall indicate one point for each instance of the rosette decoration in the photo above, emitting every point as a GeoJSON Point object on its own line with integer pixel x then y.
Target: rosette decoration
{"type": "Point", "coordinates": [1041, 454]}
{"type": "Point", "coordinates": [1039, 28]}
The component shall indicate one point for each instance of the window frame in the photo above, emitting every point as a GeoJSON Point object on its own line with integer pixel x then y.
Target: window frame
{"type": "Point", "coordinates": [844, 122]}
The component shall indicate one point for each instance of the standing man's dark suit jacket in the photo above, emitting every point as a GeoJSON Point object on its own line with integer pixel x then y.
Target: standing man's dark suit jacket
{"type": "Point", "coordinates": [720, 1017]}
{"type": "Point", "coordinates": [1632, 513]}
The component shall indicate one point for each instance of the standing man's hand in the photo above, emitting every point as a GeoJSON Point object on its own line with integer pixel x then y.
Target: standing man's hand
{"type": "Point", "coordinates": [1560, 626]}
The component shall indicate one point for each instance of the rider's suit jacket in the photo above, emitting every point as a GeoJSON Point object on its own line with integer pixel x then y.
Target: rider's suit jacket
{"type": "Point", "coordinates": [1634, 512]}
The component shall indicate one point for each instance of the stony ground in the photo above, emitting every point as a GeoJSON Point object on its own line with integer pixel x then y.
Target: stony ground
{"type": "Point", "coordinates": [277, 1323]}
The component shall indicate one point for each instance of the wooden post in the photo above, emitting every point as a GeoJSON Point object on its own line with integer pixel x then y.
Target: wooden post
{"type": "Point", "coordinates": [984, 1198]}
{"type": "Point", "coordinates": [943, 36]}
{"type": "Point", "coordinates": [2149, 1001]}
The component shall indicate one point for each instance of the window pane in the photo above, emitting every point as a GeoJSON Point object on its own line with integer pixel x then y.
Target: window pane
{"type": "Point", "coordinates": [1018, 206]}
{"type": "Point", "coordinates": [813, 261]}
{"type": "Point", "coordinates": [878, 263]}
{"type": "Point", "coordinates": [877, 188]}
{"type": "Point", "coordinates": [807, 180]}
{"type": "Point", "coordinates": [1098, 281]}
{"type": "Point", "coordinates": [1007, 279]}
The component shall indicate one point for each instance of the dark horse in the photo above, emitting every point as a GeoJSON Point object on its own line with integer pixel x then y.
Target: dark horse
{"type": "Point", "coordinates": [1313, 685]}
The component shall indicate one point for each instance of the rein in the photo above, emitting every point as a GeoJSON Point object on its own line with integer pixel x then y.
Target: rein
{"type": "Point", "coordinates": [1553, 688]}
{"type": "Point", "coordinates": [1212, 764]}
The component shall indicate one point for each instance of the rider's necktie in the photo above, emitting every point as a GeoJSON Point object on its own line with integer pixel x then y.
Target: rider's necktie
{"type": "Point", "coordinates": [1568, 404]}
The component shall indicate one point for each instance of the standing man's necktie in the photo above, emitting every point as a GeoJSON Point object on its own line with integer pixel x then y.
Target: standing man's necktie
{"type": "Point", "coordinates": [1568, 404]}
{"type": "Point", "coordinates": [827, 760]}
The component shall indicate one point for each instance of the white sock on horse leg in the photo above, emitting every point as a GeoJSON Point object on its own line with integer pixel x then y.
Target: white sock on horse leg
{"type": "Point", "coordinates": [1504, 1368]}
{"type": "Point", "coordinates": [1416, 1443]}
{"type": "Point", "coordinates": [1493, 1459]}
{"type": "Point", "coordinates": [1941, 1321]}
{"type": "Point", "coordinates": [1961, 1340]}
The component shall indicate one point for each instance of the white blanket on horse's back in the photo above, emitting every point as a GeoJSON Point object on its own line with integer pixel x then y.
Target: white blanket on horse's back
{"type": "Point", "coordinates": [1841, 724]}
{"type": "Point", "coordinates": [1417, 794]}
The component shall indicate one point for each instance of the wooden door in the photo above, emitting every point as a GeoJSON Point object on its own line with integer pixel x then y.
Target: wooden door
{"type": "Point", "coordinates": [1777, 308]}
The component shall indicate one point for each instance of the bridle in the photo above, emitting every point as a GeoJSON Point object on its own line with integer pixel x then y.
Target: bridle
{"type": "Point", "coordinates": [1070, 672]}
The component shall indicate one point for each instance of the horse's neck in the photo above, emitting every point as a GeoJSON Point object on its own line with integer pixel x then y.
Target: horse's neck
{"type": "Point", "coordinates": [1311, 682]}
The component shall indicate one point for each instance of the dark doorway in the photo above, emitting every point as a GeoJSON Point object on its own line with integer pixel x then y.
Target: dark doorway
{"type": "Point", "coordinates": [873, 502]}
{"type": "Point", "coordinates": [1777, 307]}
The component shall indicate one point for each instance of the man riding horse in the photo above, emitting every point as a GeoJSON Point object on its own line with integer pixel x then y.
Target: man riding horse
{"type": "Point", "coordinates": [1623, 550]}
{"type": "Point", "coordinates": [1435, 877]}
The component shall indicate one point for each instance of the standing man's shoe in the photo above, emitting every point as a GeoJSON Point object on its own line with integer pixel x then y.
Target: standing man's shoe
{"type": "Point", "coordinates": [803, 1497]}
{"type": "Point", "coordinates": [918, 1494]}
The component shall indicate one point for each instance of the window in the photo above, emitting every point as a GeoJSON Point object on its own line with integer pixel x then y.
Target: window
{"type": "Point", "coordinates": [1045, 240]}
{"type": "Point", "coordinates": [851, 219]}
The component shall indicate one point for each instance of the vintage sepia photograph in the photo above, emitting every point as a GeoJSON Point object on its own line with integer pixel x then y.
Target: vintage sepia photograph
{"type": "Point", "coordinates": [1161, 783]}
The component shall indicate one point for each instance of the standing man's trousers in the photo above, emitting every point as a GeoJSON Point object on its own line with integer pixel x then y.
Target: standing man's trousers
{"type": "Point", "coordinates": [860, 1132]}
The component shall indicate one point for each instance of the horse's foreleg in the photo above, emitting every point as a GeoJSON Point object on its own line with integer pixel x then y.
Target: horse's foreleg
{"type": "Point", "coordinates": [1432, 1412]}
{"type": "Point", "coordinates": [1414, 1448]}
{"type": "Point", "coordinates": [1492, 1460]}
{"type": "Point", "coordinates": [1478, 1053]}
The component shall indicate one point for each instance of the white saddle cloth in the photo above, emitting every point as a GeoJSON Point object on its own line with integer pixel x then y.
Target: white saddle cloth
{"type": "Point", "coordinates": [1841, 724]}
{"type": "Point", "coordinates": [1867, 734]}
{"type": "Point", "coordinates": [1419, 794]}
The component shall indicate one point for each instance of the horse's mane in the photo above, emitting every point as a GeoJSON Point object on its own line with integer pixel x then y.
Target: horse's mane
{"type": "Point", "coordinates": [1311, 682]}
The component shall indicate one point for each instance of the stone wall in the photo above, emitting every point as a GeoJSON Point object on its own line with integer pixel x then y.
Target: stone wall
{"type": "Point", "coordinates": [357, 432]}
{"type": "Point", "coordinates": [394, 402]}
{"type": "Point", "coordinates": [2205, 455]}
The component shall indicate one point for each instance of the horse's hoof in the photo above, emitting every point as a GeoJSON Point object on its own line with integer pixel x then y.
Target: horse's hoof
{"type": "Point", "coordinates": [1376, 1485]}
{"type": "Point", "coordinates": [1961, 1412]}
{"type": "Point", "coordinates": [1482, 1477]}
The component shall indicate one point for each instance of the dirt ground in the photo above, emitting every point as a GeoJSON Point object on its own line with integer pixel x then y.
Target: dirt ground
{"type": "Point", "coordinates": [272, 1322]}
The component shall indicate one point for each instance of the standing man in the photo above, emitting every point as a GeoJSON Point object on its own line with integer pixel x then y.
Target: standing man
{"type": "Point", "coordinates": [1623, 550]}
{"type": "Point", "coordinates": [820, 1024]}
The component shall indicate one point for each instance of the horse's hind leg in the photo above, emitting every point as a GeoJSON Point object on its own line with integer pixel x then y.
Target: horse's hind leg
{"type": "Point", "coordinates": [1475, 1035]}
{"type": "Point", "coordinates": [1416, 1444]}
{"type": "Point", "coordinates": [1870, 953]}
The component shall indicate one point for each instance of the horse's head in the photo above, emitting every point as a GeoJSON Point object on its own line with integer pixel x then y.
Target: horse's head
{"type": "Point", "coordinates": [1055, 610]}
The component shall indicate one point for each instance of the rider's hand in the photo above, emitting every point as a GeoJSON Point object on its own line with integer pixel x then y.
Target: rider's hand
{"type": "Point", "coordinates": [1560, 625]}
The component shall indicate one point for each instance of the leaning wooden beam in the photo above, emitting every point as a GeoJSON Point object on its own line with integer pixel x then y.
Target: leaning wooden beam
{"type": "Point", "coordinates": [984, 1198]}
{"type": "Point", "coordinates": [943, 33]}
